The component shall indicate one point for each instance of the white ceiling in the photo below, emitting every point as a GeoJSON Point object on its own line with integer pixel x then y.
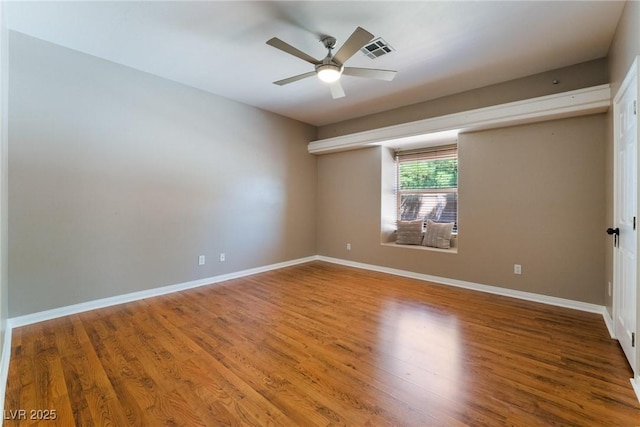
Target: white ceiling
{"type": "Point", "coordinates": [440, 47]}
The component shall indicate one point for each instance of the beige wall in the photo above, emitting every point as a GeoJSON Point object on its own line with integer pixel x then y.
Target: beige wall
{"type": "Point", "coordinates": [119, 180]}
{"type": "Point", "coordinates": [577, 76]}
{"type": "Point", "coordinates": [532, 195]}
{"type": "Point", "coordinates": [624, 49]}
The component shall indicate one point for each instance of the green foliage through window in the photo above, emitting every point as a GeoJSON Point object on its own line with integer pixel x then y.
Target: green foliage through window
{"type": "Point", "coordinates": [422, 174]}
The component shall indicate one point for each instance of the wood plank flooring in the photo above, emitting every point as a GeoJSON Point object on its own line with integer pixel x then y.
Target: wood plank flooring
{"type": "Point", "coordinates": [320, 344]}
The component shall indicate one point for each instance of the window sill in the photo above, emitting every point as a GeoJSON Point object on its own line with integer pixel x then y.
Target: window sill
{"type": "Point", "coordinates": [421, 248]}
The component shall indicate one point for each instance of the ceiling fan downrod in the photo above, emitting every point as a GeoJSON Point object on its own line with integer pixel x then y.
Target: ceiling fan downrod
{"type": "Point", "coordinates": [329, 71]}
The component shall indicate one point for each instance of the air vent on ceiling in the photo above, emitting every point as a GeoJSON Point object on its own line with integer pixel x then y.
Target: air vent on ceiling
{"type": "Point", "coordinates": [377, 48]}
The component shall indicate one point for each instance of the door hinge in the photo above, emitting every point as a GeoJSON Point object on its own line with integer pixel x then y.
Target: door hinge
{"type": "Point", "coordinates": [635, 107]}
{"type": "Point", "coordinates": [634, 222]}
{"type": "Point", "coordinates": [633, 339]}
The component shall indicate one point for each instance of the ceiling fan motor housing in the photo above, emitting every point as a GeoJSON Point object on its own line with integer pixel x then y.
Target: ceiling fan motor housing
{"type": "Point", "coordinates": [329, 42]}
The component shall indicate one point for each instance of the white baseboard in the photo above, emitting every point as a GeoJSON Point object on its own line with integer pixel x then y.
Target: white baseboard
{"type": "Point", "coordinates": [608, 321]}
{"type": "Point", "coordinates": [529, 296]}
{"type": "Point", "coordinates": [135, 296]}
{"type": "Point", "coordinates": [41, 316]}
{"type": "Point", "coordinates": [635, 384]}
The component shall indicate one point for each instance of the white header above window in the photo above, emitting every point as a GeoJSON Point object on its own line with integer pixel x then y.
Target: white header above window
{"type": "Point", "coordinates": [574, 103]}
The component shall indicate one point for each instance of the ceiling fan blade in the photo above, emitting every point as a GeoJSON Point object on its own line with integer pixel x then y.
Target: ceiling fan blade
{"type": "Point", "coordinates": [294, 78]}
{"type": "Point", "coordinates": [336, 89]}
{"type": "Point", "coordinates": [370, 73]}
{"type": "Point", "coordinates": [286, 47]}
{"type": "Point", "coordinates": [354, 43]}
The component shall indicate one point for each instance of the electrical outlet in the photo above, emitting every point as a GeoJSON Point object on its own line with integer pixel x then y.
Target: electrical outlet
{"type": "Point", "coordinates": [517, 269]}
{"type": "Point", "coordinates": [201, 260]}
{"type": "Point", "coordinates": [223, 257]}
{"type": "Point", "coordinates": [348, 246]}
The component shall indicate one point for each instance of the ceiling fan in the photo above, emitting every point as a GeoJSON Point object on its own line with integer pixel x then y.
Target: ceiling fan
{"type": "Point", "coordinates": [331, 68]}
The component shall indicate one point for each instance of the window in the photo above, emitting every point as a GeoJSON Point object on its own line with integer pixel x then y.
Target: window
{"type": "Point", "coordinates": [427, 184]}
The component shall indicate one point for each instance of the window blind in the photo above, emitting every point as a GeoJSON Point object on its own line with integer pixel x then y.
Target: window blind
{"type": "Point", "coordinates": [431, 153]}
{"type": "Point", "coordinates": [427, 184]}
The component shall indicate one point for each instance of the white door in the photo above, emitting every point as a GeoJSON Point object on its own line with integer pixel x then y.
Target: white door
{"type": "Point", "coordinates": [625, 214]}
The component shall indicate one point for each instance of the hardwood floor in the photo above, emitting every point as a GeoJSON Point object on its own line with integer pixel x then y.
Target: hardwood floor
{"type": "Point", "coordinates": [321, 344]}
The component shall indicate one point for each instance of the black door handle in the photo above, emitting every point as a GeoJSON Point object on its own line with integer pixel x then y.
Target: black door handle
{"type": "Point", "coordinates": [616, 235]}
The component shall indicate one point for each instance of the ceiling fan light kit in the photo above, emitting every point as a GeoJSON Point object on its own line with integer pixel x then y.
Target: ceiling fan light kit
{"type": "Point", "coordinates": [331, 68]}
{"type": "Point", "coordinates": [328, 73]}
